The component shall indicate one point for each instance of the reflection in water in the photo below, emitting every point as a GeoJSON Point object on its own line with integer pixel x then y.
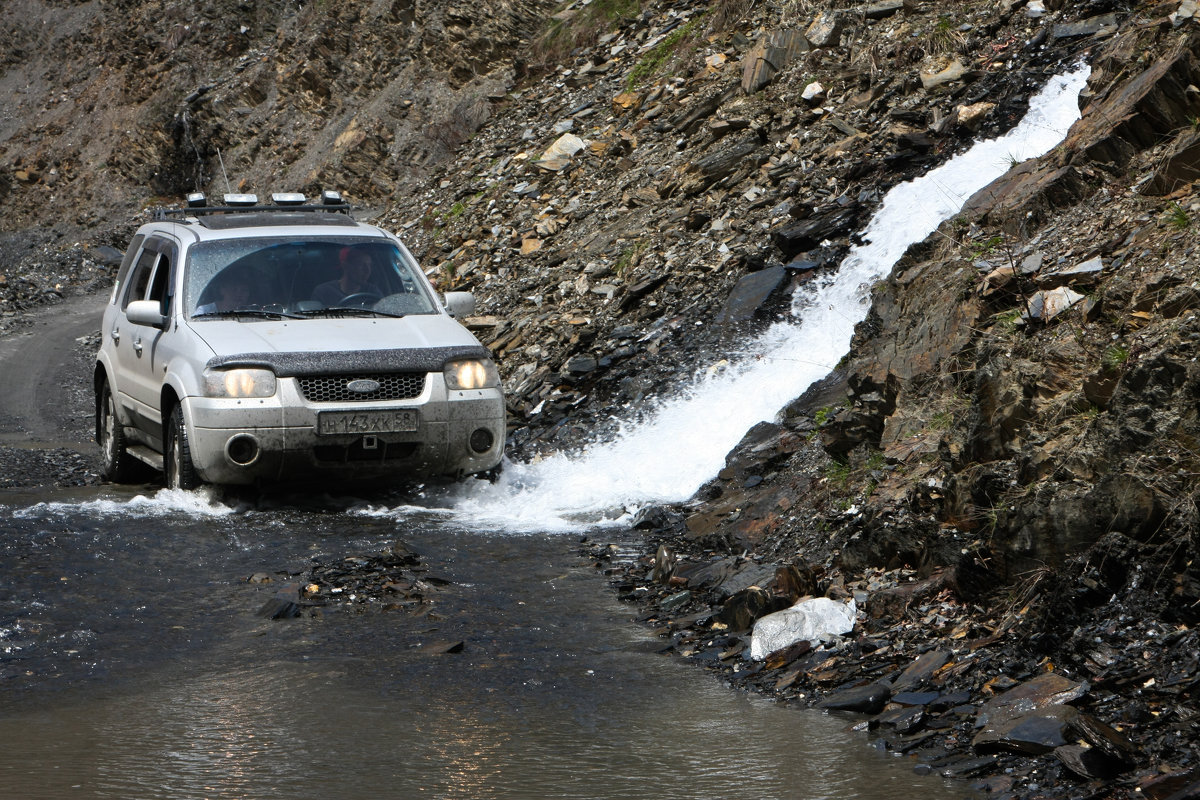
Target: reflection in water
{"type": "Point", "coordinates": [182, 692]}
{"type": "Point", "coordinates": [282, 731]}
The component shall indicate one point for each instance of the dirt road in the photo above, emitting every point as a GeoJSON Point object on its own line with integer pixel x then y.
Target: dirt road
{"type": "Point", "coordinates": [46, 405]}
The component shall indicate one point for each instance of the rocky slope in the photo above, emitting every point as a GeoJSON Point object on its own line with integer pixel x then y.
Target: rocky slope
{"type": "Point", "coordinates": [1004, 468]}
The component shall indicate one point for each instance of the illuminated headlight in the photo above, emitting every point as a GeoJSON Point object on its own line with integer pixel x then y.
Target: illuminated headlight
{"type": "Point", "coordinates": [239, 383]}
{"type": "Point", "coordinates": [475, 373]}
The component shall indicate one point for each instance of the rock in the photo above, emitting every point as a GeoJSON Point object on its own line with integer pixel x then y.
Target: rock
{"type": "Point", "coordinates": [740, 611]}
{"type": "Point", "coordinates": [279, 608]}
{"type": "Point", "coordinates": [902, 720]}
{"type": "Point", "coordinates": [883, 9]}
{"type": "Point", "coordinates": [829, 222]}
{"type": "Point", "coordinates": [1103, 25]}
{"type": "Point", "coordinates": [750, 294]}
{"type": "Point", "coordinates": [1187, 11]}
{"type": "Point", "coordinates": [698, 175]}
{"type": "Point", "coordinates": [1048, 304]}
{"type": "Point", "coordinates": [1177, 167]}
{"type": "Point", "coordinates": [972, 117]}
{"type": "Point", "coordinates": [813, 94]}
{"type": "Point", "coordinates": [825, 30]}
{"type": "Point", "coordinates": [895, 601]}
{"type": "Point", "coordinates": [933, 78]}
{"type": "Point", "coordinates": [812, 620]}
{"type": "Point", "coordinates": [558, 155]}
{"type": "Point", "coordinates": [1049, 689]}
{"type": "Point", "coordinates": [1085, 273]}
{"type": "Point", "coordinates": [919, 672]}
{"type": "Point", "coordinates": [771, 54]}
{"type": "Point", "coordinates": [868, 698]}
{"type": "Point", "coordinates": [1032, 733]}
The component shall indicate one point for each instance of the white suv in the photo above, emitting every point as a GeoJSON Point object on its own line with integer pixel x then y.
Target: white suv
{"type": "Point", "coordinates": [252, 343]}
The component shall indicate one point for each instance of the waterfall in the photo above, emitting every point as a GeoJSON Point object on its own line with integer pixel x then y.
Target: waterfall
{"type": "Point", "coordinates": [683, 442]}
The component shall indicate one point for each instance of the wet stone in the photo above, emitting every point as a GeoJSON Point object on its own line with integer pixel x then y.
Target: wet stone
{"type": "Point", "coordinates": [968, 767]}
{"type": "Point", "coordinates": [1033, 733]}
{"type": "Point", "coordinates": [1050, 689]}
{"type": "Point", "coordinates": [920, 671]}
{"type": "Point", "coordinates": [866, 699]}
{"type": "Point", "coordinates": [903, 720]}
{"type": "Point", "coordinates": [1087, 762]}
{"type": "Point", "coordinates": [915, 698]}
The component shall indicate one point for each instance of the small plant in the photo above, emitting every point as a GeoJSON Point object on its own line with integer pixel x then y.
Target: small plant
{"type": "Point", "coordinates": [653, 61]}
{"type": "Point", "coordinates": [1177, 216]}
{"type": "Point", "coordinates": [944, 38]}
{"type": "Point", "coordinates": [986, 247]}
{"type": "Point", "coordinates": [823, 415]}
{"type": "Point", "coordinates": [1114, 357]}
{"type": "Point", "coordinates": [456, 209]}
{"type": "Point", "coordinates": [941, 421]}
{"type": "Point", "coordinates": [838, 474]}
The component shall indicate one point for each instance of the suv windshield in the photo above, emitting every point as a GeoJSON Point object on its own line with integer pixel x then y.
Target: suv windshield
{"type": "Point", "coordinates": [283, 276]}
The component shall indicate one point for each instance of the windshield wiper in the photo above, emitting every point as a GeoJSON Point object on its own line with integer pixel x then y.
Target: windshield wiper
{"type": "Point", "coordinates": [347, 311]}
{"type": "Point", "coordinates": [257, 313]}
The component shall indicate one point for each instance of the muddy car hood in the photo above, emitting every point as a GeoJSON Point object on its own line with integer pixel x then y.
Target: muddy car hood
{"type": "Point", "coordinates": [417, 332]}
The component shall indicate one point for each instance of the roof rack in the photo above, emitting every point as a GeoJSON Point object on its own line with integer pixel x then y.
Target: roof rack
{"type": "Point", "coordinates": [197, 205]}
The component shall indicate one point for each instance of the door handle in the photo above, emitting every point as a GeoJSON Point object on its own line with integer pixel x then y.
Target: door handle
{"type": "Point", "coordinates": [116, 335]}
{"type": "Point", "coordinates": [137, 346]}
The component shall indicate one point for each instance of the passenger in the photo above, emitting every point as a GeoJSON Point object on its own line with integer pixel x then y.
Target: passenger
{"type": "Point", "coordinates": [355, 280]}
{"type": "Point", "coordinates": [233, 291]}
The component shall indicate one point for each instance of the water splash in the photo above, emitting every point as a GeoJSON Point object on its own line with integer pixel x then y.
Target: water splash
{"type": "Point", "coordinates": [205, 502]}
{"type": "Point", "coordinates": [683, 443]}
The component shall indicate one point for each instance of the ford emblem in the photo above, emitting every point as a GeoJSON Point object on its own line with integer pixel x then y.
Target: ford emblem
{"type": "Point", "coordinates": [363, 386]}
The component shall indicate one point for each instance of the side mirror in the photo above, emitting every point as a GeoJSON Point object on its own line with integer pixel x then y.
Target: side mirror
{"type": "Point", "coordinates": [460, 304]}
{"type": "Point", "coordinates": [146, 312]}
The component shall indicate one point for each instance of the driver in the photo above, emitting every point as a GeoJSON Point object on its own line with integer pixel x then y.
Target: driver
{"type": "Point", "coordinates": [356, 278]}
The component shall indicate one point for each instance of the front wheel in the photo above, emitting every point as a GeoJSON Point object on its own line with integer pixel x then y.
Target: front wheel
{"type": "Point", "coordinates": [116, 464]}
{"type": "Point", "coordinates": [177, 460]}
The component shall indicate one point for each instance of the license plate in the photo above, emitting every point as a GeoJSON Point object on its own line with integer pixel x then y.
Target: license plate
{"type": "Point", "coordinates": [390, 421]}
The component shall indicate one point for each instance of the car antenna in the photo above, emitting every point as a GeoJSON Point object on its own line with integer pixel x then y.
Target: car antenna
{"type": "Point", "coordinates": [221, 161]}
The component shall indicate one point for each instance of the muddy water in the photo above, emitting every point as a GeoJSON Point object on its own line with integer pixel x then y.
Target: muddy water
{"type": "Point", "coordinates": [133, 665]}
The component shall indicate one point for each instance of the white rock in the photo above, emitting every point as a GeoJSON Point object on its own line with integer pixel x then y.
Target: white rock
{"type": "Point", "coordinates": [813, 620]}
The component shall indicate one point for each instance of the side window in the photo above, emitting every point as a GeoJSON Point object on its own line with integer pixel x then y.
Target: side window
{"type": "Point", "coordinates": [139, 278]}
{"type": "Point", "coordinates": [160, 285]}
{"type": "Point", "coordinates": [126, 263]}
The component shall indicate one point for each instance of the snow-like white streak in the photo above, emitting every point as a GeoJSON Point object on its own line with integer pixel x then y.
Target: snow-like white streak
{"type": "Point", "coordinates": [683, 443]}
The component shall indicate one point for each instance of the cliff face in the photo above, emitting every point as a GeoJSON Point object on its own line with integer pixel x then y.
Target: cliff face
{"type": "Point", "coordinates": [115, 105]}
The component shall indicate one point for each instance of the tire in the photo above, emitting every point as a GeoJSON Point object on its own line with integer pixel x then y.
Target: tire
{"type": "Point", "coordinates": [116, 464]}
{"type": "Point", "coordinates": [179, 471]}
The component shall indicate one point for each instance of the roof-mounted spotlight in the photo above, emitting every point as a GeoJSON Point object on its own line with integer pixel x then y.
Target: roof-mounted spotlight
{"type": "Point", "coordinates": [196, 200]}
{"type": "Point", "coordinates": [288, 198]}
{"type": "Point", "coordinates": [241, 199]}
{"type": "Point", "coordinates": [330, 197]}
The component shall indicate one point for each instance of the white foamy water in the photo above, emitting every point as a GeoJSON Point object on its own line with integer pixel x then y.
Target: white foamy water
{"type": "Point", "coordinates": [683, 443]}
{"type": "Point", "coordinates": [203, 502]}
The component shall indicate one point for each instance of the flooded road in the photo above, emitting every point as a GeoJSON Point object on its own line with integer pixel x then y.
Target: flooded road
{"type": "Point", "coordinates": [135, 665]}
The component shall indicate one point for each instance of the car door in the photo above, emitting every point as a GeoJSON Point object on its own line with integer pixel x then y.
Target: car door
{"type": "Point", "coordinates": [141, 352]}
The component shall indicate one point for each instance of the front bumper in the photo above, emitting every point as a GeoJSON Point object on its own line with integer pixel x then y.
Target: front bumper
{"type": "Point", "coordinates": [273, 439]}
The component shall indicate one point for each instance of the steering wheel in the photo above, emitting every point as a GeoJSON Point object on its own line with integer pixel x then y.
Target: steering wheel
{"type": "Point", "coordinates": [363, 299]}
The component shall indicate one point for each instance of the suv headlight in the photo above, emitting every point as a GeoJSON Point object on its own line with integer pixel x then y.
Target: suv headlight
{"type": "Point", "coordinates": [474, 373]}
{"type": "Point", "coordinates": [239, 383]}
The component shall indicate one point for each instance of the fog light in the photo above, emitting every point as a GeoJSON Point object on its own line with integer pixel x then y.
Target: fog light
{"type": "Point", "coordinates": [481, 440]}
{"type": "Point", "coordinates": [242, 450]}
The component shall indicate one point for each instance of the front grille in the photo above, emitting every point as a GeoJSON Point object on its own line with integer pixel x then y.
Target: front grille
{"type": "Point", "coordinates": [333, 388]}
